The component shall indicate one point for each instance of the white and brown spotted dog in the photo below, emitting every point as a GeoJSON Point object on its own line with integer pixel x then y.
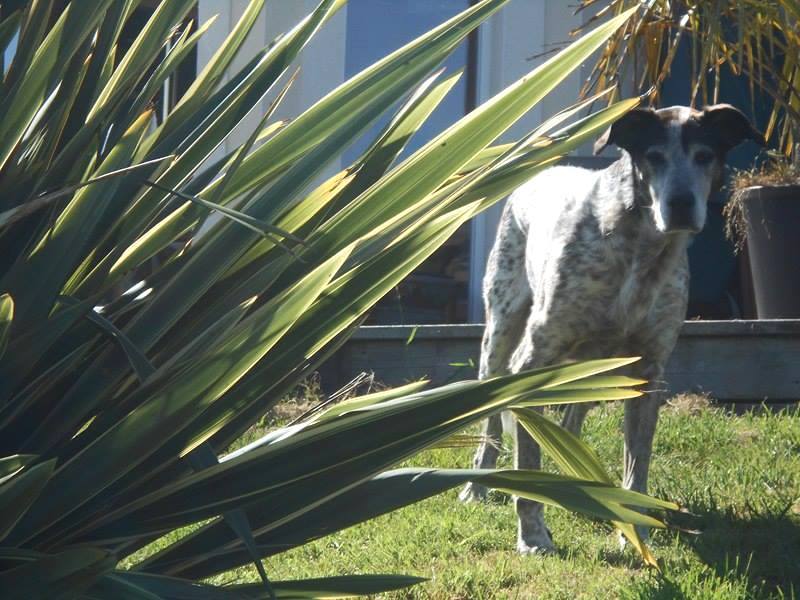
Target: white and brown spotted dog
{"type": "Point", "coordinates": [592, 264]}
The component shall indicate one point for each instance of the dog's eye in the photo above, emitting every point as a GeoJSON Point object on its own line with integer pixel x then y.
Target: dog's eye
{"type": "Point", "coordinates": [655, 158]}
{"type": "Point", "coordinates": [703, 158]}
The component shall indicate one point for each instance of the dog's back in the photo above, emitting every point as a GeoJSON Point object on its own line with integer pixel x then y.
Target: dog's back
{"type": "Point", "coordinates": [542, 206]}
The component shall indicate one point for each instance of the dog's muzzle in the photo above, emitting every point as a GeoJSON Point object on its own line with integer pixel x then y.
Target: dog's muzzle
{"type": "Point", "coordinates": [681, 214]}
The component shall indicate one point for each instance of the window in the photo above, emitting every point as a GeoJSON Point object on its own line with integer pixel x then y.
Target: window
{"type": "Point", "coordinates": [437, 291]}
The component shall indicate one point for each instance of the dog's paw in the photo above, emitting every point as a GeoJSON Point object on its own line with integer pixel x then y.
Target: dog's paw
{"type": "Point", "coordinates": [473, 492]}
{"type": "Point", "coordinates": [644, 534]}
{"type": "Point", "coordinates": [621, 540]}
{"type": "Point", "coordinates": [540, 545]}
{"type": "Point", "coordinates": [541, 549]}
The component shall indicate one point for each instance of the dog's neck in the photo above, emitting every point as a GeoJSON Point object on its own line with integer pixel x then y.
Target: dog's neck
{"type": "Point", "coordinates": [625, 212]}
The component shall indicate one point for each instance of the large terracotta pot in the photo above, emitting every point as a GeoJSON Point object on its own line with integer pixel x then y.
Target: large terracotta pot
{"type": "Point", "coordinates": [772, 215]}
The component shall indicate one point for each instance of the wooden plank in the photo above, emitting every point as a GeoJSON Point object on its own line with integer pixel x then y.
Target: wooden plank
{"type": "Point", "coordinates": [731, 360]}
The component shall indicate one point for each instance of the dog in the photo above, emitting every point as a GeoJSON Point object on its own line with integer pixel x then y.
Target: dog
{"type": "Point", "coordinates": [592, 264]}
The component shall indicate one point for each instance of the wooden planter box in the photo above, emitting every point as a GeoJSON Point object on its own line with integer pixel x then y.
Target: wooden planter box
{"type": "Point", "coordinates": [734, 361]}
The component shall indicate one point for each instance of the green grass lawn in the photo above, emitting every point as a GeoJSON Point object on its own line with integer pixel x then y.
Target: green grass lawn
{"type": "Point", "coordinates": [740, 476]}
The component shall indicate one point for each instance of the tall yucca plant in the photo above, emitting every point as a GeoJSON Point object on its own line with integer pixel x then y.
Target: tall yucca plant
{"type": "Point", "coordinates": [115, 407]}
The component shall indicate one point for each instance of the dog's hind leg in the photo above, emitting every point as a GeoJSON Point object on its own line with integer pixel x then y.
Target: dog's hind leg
{"type": "Point", "coordinates": [574, 416]}
{"type": "Point", "coordinates": [495, 354]}
{"type": "Point", "coordinates": [507, 297]}
{"type": "Point", "coordinates": [543, 343]}
{"type": "Point", "coordinates": [485, 457]}
{"type": "Point", "coordinates": [641, 416]}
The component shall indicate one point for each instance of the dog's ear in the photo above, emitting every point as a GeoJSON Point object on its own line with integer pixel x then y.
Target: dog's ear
{"type": "Point", "coordinates": [630, 132]}
{"type": "Point", "coordinates": [729, 126]}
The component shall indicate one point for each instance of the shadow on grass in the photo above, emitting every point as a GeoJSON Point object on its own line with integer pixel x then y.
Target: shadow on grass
{"type": "Point", "coordinates": [765, 548]}
{"type": "Point", "coordinates": [747, 554]}
{"type": "Point", "coordinates": [757, 547]}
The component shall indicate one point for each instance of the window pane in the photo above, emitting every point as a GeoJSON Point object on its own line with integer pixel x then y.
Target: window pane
{"type": "Point", "coordinates": [437, 291]}
{"type": "Point", "coordinates": [376, 28]}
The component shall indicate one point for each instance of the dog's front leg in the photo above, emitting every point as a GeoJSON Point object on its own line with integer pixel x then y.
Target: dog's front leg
{"type": "Point", "coordinates": [641, 416]}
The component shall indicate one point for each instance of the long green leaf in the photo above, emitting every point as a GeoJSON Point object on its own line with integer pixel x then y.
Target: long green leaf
{"type": "Point", "coordinates": [204, 457]}
{"type": "Point", "coordinates": [196, 137]}
{"type": "Point", "coordinates": [6, 318]}
{"type": "Point", "coordinates": [212, 73]}
{"type": "Point", "coordinates": [15, 214]}
{"type": "Point", "coordinates": [383, 82]}
{"type": "Point", "coordinates": [22, 103]}
{"type": "Point", "coordinates": [203, 268]}
{"type": "Point", "coordinates": [427, 417]}
{"type": "Point", "coordinates": [197, 555]}
{"type": "Point", "coordinates": [177, 53]}
{"type": "Point", "coordinates": [336, 311]}
{"type": "Point", "coordinates": [430, 166]}
{"type": "Point", "coordinates": [348, 110]}
{"type": "Point", "coordinates": [65, 574]}
{"type": "Point", "coordinates": [11, 464]}
{"type": "Point", "coordinates": [573, 396]}
{"type": "Point", "coordinates": [30, 346]}
{"type": "Point", "coordinates": [8, 28]}
{"type": "Point", "coordinates": [140, 54]}
{"type": "Point", "coordinates": [20, 492]}
{"type": "Point", "coordinates": [101, 63]}
{"type": "Point", "coordinates": [370, 166]}
{"type": "Point", "coordinates": [243, 219]}
{"type": "Point", "coordinates": [32, 31]}
{"type": "Point", "coordinates": [502, 170]}
{"type": "Point", "coordinates": [371, 399]}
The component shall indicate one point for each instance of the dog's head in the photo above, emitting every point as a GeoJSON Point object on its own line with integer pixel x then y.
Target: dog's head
{"type": "Point", "coordinates": [679, 154]}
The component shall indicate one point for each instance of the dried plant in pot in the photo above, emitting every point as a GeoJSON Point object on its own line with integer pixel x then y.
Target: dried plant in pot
{"type": "Point", "coordinates": [763, 214]}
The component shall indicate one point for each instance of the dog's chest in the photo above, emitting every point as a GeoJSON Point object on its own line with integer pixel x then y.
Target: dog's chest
{"type": "Point", "coordinates": [621, 288]}
{"type": "Point", "coordinates": [633, 298]}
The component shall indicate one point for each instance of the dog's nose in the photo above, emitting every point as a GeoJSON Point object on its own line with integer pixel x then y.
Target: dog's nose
{"type": "Point", "coordinates": [683, 199]}
{"type": "Point", "coordinates": [681, 211]}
